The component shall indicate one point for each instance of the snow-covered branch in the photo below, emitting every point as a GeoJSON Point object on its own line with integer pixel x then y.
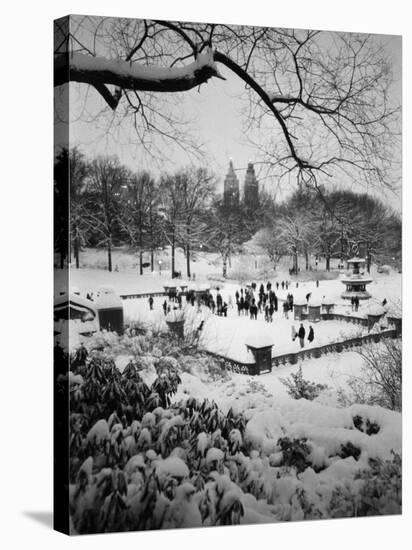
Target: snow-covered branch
{"type": "Point", "coordinates": [101, 72]}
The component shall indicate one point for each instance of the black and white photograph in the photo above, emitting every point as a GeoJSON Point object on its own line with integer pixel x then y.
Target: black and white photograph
{"type": "Point", "coordinates": [227, 258]}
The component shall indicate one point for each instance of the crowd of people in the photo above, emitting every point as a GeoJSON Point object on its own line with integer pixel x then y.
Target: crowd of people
{"type": "Point", "coordinates": [250, 302]}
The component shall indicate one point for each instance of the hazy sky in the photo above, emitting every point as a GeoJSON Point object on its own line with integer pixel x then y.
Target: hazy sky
{"type": "Point", "coordinates": [216, 111]}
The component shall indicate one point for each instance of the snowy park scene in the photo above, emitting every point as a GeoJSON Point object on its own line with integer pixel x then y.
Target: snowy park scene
{"type": "Point", "coordinates": [228, 274]}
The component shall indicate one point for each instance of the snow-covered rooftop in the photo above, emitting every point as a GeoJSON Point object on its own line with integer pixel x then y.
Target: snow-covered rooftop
{"type": "Point", "coordinates": [108, 298]}
{"type": "Point", "coordinates": [355, 259]}
{"type": "Point", "coordinates": [259, 340]}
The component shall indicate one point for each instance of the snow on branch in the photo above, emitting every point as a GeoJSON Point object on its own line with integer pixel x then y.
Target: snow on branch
{"type": "Point", "coordinates": [100, 72]}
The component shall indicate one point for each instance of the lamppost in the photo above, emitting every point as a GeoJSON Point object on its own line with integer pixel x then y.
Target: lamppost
{"type": "Point", "coordinates": [160, 267]}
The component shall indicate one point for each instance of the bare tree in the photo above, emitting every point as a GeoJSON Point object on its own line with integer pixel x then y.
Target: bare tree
{"type": "Point", "coordinates": [171, 211]}
{"type": "Point", "coordinates": [136, 211]}
{"type": "Point", "coordinates": [106, 178]}
{"type": "Point", "coordinates": [296, 233]}
{"type": "Point", "coordinates": [380, 380]}
{"type": "Point", "coordinates": [269, 240]}
{"type": "Point", "coordinates": [197, 190]}
{"type": "Point", "coordinates": [80, 224]}
{"type": "Point", "coordinates": [306, 88]}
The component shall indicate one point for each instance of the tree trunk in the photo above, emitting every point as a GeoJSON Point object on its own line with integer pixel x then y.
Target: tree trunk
{"type": "Point", "coordinates": [151, 260]}
{"type": "Point", "coordinates": [172, 246]}
{"type": "Point", "coordinates": [76, 248]}
{"type": "Point", "coordinates": [368, 260]}
{"type": "Point", "coordinates": [141, 262]}
{"type": "Point", "coordinates": [295, 262]}
{"type": "Point", "coordinates": [306, 259]}
{"type": "Point", "coordinates": [188, 260]}
{"type": "Point", "coordinates": [109, 255]}
{"type": "Point", "coordinates": [224, 267]}
{"type": "Point", "coordinates": [328, 262]}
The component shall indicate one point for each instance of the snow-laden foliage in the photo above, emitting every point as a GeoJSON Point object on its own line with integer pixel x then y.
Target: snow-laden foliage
{"type": "Point", "coordinates": [145, 455]}
{"type": "Point", "coordinates": [299, 388]}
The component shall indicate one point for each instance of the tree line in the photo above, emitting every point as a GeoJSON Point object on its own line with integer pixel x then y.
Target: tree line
{"type": "Point", "coordinates": [105, 204]}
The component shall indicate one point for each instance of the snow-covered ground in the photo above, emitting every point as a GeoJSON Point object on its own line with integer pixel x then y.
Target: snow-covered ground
{"type": "Point", "coordinates": [227, 336]}
{"type": "Point", "coordinates": [243, 392]}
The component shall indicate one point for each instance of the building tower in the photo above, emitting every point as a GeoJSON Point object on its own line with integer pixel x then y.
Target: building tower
{"type": "Point", "coordinates": [231, 188]}
{"type": "Point", "coordinates": [251, 189]}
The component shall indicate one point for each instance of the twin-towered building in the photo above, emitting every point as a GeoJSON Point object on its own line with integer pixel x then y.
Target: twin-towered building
{"type": "Point", "coordinates": [231, 190]}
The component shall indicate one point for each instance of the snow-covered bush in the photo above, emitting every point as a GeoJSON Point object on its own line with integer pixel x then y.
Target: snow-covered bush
{"type": "Point", "coordinates": [299, 388]}
{"type": "Point", "coordinates": [380, 379]}
{"type": "Point", "coordinates": [145, 455]}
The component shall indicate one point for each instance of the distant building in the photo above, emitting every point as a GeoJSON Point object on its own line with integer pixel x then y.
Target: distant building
{"type": "Point", "coordinates": [231, 188]}
{"type": "Point", "coordinates": [251, 189]}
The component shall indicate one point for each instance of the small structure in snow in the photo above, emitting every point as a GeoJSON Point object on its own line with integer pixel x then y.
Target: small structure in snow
{"type": "Point", "coordinates": [260, 345]}
{"type": "Point", "coordinates": [356, 282]}
{"type": "Point", "coordinates": [375, 314]}
{"type": "Point", "coordinates": [300, 309]}
{"type": "Point", "coordinates": [395, 319]}
{"type": "Point", "coordinates": [110, 310]}
{"type": "Point", "coordinates": [327, 305]}
{"type": "Point", "coordinates": [314, 311]}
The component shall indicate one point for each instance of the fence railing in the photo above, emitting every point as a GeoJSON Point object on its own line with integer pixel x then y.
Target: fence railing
{"type": "Point", "coordinates": [332, 347]}
{"type": "Point", "coordinates": [143, 295]}
{"type": "Point", "coordinates": [293, 358]}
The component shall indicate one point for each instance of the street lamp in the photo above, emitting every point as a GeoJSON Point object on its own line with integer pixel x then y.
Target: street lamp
{"type": "Point", "coordinates": [160, 267]}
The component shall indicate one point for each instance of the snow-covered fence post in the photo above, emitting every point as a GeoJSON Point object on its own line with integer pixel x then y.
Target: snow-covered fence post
{"type": "Point", "coordinates": [375, 313]}
{"type": "Point", "coordinates": [327, 308]}
{"type": "Point", "coordinates": [396, 321]}
{"type": "Point", "coordinates": [300, 310]}
{"type": "Point", "coordinates": [261, 347]}
{"type": "Point", "coordinates": [314, 312]}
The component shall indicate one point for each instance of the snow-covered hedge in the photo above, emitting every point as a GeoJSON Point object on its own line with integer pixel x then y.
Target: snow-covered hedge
{"type": "Point", "coordinates": [138, 460]}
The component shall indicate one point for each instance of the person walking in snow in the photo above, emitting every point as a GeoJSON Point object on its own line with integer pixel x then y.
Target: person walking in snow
{"type": "Point", "coordinates": [356, 303]}
{"type": "Point", "coordinates": [311, 335]}
{"type": "Point", "coordinates": [271, 309]}
{"type": "Point", "coordinates": [165, 307]}
{"type": "Point", "coordinates": [151, 303]}
{"type": "Point", "coordinates": [253, 310]}
{"type": "Point", "coordinates": [286, 309]}
{"type": "Point", "coordinates": [301, 335]}
{"type": "Point", "coordinates": [352, 302]}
